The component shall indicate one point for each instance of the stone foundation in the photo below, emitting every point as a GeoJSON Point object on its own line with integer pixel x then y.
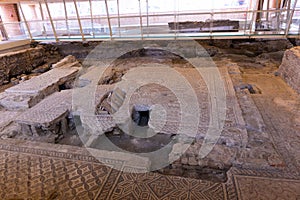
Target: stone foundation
{"type": "Point", "coordinates": [20, 62]}
{"type": "Point", "coordinates": [289, 70]}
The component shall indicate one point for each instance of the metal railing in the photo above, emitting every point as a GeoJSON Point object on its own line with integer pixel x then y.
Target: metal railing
{"type": "Point", "coordinates": [275, 23]}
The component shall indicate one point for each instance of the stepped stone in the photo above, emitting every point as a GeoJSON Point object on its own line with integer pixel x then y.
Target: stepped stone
{"type": "Point", "coordinates": [47, 117]}
{"type": "Point", "coordinates": [102, 92]}
{"type": "Point", "coordinates": [9, 117]}
{"type": "Point", "coordinates": [43, 82]}
{"type": "Point", "coordinates": [102, 121]}
{"type": "Point", "coordinates": [30, 92]}
{"type": "Point", "coordinates": [64, 61]}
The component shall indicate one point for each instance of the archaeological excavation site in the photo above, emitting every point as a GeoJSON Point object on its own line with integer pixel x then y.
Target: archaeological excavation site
{"type": "Point", "coordinates": [150, 99]}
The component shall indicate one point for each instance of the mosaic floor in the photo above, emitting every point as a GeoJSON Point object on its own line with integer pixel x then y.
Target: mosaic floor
{"type": "Point", "coordinates": [267, 168]}
{"type": "Point", "coordinates": [33, 170]}
{"type": "Point", "coordinates": [29, 171]}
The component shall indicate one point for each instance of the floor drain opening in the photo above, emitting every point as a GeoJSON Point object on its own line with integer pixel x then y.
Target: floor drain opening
{"type": "Point", "coordinates": [62, 87]}
{"type": "Point", "coordinates": [141, 115]}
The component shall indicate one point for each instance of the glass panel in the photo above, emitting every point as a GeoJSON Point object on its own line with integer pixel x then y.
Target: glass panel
{"type": "Point", "coordinates": [15, 30]}
{"type": "Point", "coordinates": [274, 24]}
{"type": "Point", "coordinates": [56, 10]}
{"type": "Point", "coordinates": [295, 24]}
{"type": "Point", "coordinates": [165, 18]}
{"type": "Point", "coordinates": [36, 28]}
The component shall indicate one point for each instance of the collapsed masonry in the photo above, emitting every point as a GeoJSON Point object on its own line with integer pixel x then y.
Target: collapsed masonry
{"type": "Point", "coordinates": [290, 70]}
{"type": "Point", "coordinates": [41, 109]}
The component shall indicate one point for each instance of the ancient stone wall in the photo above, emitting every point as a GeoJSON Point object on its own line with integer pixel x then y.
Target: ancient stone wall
{"type": "Point", "coordinates": [78, 49]}
{"type": "Point", "coordinates": [19, 62]}
{"type": "Point", "coordinates": [289, 70]}
{"type": "Point", "coordinates": [250, 47]}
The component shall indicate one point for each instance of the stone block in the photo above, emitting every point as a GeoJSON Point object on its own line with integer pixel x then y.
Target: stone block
{"type": "Point", "coordinates": [289, 68]}
{"type": "Point", "coordinates": [9, 117]}
{"type": "Point", "coordinates": [47, 117]}
{"type": "Point", "coordinates": [30, 92]}
{"type": "Point", "coordinates": [67, 60]}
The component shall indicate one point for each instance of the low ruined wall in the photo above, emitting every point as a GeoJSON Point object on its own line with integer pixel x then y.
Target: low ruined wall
{"type": "Point", "coordinates": [20, 62]}
{"type": "Point", "coordinates": [289, 70]}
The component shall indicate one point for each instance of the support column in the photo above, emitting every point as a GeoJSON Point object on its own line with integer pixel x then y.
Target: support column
{"type": "Point", "coordinates": [25, 21]}
{"type": "Point", "coordinates": [259, 13]}
{"type": "Point", "coordinates": [79, 21]}
{"type": "Point", "coordinates": [43, 18]}
{"type": "Point", "coordinates": [108, 19]}
{"type": "Point", "coordinates": [51, 21]}
{"type": "Point", "coordinates": [141, 19]}
{"type": "Point", "coordinates": [92, 19]}
{"type": "Point", "coordinates": [4, 35]}
{"type": "Point", "coordinates": [66, 17]}
{"type": "Point", "coordinates": [289, 20]}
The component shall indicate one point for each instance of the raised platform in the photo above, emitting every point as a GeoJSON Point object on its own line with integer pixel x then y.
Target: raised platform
{"type": "Point", "coordinates": [30, 92]}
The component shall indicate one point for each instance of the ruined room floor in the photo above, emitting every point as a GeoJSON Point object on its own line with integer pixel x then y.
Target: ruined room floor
{"type": "Point", "coordinates": [32, 170]}
{"type": "Point", "coordinates": [36, 170]}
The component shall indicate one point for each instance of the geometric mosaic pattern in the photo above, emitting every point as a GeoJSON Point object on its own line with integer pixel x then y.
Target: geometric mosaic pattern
{"type": "Point", "coordinates": [47, 171]}
{"type": "Point", "coordinates": [155, 186]}
{"type": "Point", "coordinates": [36, 177]}
{"type": "Point", "coordinates": [41, 174]}
{"type": "Point", "coordinates": [267, 188]}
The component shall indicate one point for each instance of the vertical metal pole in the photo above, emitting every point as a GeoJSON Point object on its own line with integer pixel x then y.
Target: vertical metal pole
{"type": "Point", "coordinates": [211, 22]}
{"type": "Point", "coordinates": [259, 14]}
{"type": "Point", "coordinates": [288, 4]}
{"type": "Point", "coordinates": [92, 19]}
{"type": "Point", "coordinates": [268, 12]}
{"type": "Point", "coordinates": [66, 16]}
{"type": "Point", "coordinates": [26, 23]}
{"type": "Point", "coordinates": [141, 20]}
{"type": "Point", "coordinates": [43, 18]}
{"type": "Point", "coordinates": [246, 21]}
{"type": "Point", "coordinates": [119, 22]}
{"type": "Point", "coordinates": [298, 30]}
{"type": "Point", "coordinates": [254, 15]}
{"type": "Point", "coordinates": [3, 31]}
{"type": "Point", "coordinates": [108, 19]}
{"type": "Point", "coordinates": [51, 21]}
{"type": "Point", "coordinates": [277, 15]}
{"type": "Point", "coordinates": [147, 4]}
{"type": "Point", "coordinates": [175, 19]}
{"type": "Point", "coordinates": [79, 21]}
{"type": "Point", "coordinates": [290, 19]}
